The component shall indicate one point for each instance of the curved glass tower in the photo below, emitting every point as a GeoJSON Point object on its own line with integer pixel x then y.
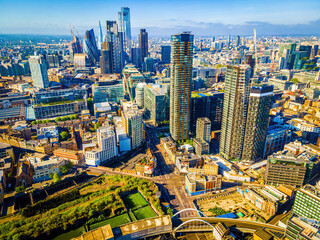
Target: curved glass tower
{"type": "Point", "coordinates": [90, 47]}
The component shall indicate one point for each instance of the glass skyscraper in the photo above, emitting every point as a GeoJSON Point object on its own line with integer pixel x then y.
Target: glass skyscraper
{"type": "Point", "coordinates": [143, 43]}
{"type": "Point", "coordinates": [180, 85]}
{"type": "Point", "coordinates": [90, 47]}
{"type": "Point", "coordinates": [39, 72]}
{"type": "Point", "coordinates": [113, 42]}
{"type": "Point", "coordinates": [125, 28]}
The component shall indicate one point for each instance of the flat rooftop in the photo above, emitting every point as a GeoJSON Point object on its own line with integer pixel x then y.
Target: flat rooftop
{"type": "Point", "coordinates": [145, 224]}
{"type": "Point", "coordinates": [102, 233]}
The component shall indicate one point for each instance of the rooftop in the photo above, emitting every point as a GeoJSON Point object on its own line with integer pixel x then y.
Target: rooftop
{"type": "Point", "coordinates": [145, 224]}
{"type": "Point", "coordinates": [104, 232]}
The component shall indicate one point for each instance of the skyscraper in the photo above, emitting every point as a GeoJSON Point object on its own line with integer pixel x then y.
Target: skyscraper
{"type": "Point", "coordinates": [180, 85]}
{"type": "Point", "coordinates": [100, 37]}
{"type": "Point", "coordinates": [105, 59]}
{"type": "Point", "coordinates": [235, 105]}
{"type": "Point", "coordinates": [125, 28]}
{"type": "Point", "coordinates": [75, 47]}
{"type": "Point", "coordinates": [90, 47]}
{"type": "Point", "coordinates": [113, 43]}
{"type": "Point", "coordinates": [257, 123]}
{"type": "Point", "coordinates": [39, 72]}
{"type": "Point", "coordinates": [143, 43]}
{"type": "Point", "coordinates": [136, 56]}
{"type": "Point", "coordinates": [165, 54]}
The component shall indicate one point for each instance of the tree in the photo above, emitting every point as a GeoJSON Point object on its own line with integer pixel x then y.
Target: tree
{"type": "Point", "coordinates": [97, 125]}
{"type": "Point", "coordinates": [20, 188]}
{"type": "Point", "coordinates": [294, 80]}
{"type": "Point", "coordinates": [57, 119]}
{"type": "Point", "coordinates": [56, 178]}
{"type": "Point", "coordinates": [64, 136]}
{"type": "Point", "coordinates": [50, 175]}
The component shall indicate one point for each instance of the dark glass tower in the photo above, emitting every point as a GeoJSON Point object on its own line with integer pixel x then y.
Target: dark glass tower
{"type": "Point", "coordinates": [143, 43]}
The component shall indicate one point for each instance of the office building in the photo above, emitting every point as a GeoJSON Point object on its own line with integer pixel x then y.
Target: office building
{"type": "Point", "coordinates": [201, 146]}
{"type": "Point", "coordinates": [180, 85]}
{"type": "Point", "coordinates": [235, 105]}
{"type": "Point", "coordinates": [105, 61]}
{"type": "Point", "coordinates": [165, 54]}
{"type": "Point", "coordinates": [108, 91]}
{"type": "Point", "coordinates": [53, 103]}
{"type": "Point", "coordinates": [204, 129]}
{"type": "Point", "coordinates": [139, 98]}
{"type": "Point", "coordinates": [133, 124]}
{"type": "Point", "coordinates": [39, 71]}
{"type": "Point", "coordinates": [143, 43]}
{"type": "Point", "coordinates": [277, 136]}
{"type": "Point", "coordinates": [106, 150]}
{"type": "Point", "coordinates": [75, 47]}
{"type": "Point", "coordinates": [53, 60]}
{"type": "Point", "coordinates": [90, 47]}
{"type": "Point", "coordinates": [307, 202]}
{"type": "Point", "coordinates": [148, 65]}
{"type": "Point", "coordinates": [125, 28]}
{"type": "Point", "coordinates": [289, 169]}
{"type": "Point", "coordinates": [80, 60]}
{"type": "Point", "coordinates": [156, 103]}
{"type": "Point", "coordinates": [257, 123]}
{"type": "Point", "coordinates": [136, 57]}
{"type": "Point", "coordinates": [199, 184]}
{"type": "Point", "coordinates": [113, 42]}
{"type": "Point", "coordinates": [206, 103]}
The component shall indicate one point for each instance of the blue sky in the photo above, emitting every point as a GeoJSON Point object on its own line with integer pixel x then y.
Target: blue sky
{"type": "Point", "coordinates": [163, 17]}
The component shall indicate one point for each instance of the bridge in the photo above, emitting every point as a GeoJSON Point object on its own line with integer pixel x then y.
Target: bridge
{"type": "Point", "coordinates": [206, 224]}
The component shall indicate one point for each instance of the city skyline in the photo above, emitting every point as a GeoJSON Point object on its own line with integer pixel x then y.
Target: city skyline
{"type": "Point", "coordinates": [165, 18]}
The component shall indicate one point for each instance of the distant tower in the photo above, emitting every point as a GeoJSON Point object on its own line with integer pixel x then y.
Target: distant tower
{"type": "Point", "coordinates": [180, 85]}
{"type": "Point", "coordinates": [143, 43]}
{"type": "Point", "coordinates": [100, 37]}
{"type": "Point", "coordinates": [165, 54]}
{"type": "Point", "coordinates": [39, 71]}
{"type": "Point", "coordinates": [255, 49]}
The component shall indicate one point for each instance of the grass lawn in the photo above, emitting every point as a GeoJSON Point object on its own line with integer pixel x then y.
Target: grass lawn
{"type": "Point", "coordinates": [145, 212]}
{"type": "Point", "coordinates": [134, 201]}
{"type": "Point", "coordinates": [114, 222]}
{"type": "Point", "coordinates": [72, 234]}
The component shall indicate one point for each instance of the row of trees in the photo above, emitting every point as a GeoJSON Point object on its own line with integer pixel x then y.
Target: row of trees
{"type": "Point", "coordinates": [45, 205]}
{"type": "Point", "coordinates": [40, 121]}
{"type": "Point", "coordinates": [66, 118]}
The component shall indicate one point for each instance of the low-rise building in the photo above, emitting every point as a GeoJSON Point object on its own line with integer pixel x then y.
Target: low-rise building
{"type": "Point", "coordinates": [307, 202]}
{"type": "Point", "coordinates": [201, 146]}
{"type": "Point", "coordinates": [277, 137]}
{"type": "Point", "coordinates": [302, 228]}
{"type": "Point", "coordinates": [262, 199]}
{"type": "Point", "coordinates": [50, 133]}
{"type": "Point", "coordinates": [198, 184]}
{"type": "Point", "coordinates": [71, 155]}
{"type": "Point", "coordinates": [106, 149]}
{"type": "Point", "coordinates": [43, 169]}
